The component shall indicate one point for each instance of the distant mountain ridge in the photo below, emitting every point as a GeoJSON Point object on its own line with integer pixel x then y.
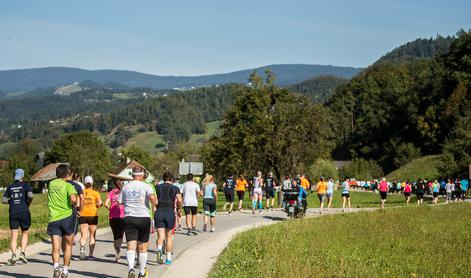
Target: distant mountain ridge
{"type": "Point", "coordinates": [30, 79]}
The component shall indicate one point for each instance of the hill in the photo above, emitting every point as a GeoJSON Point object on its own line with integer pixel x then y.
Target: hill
{"type": "Point", "coordinates": [424, 167]}
{"type": "Point", "coordinates": [30, 79]}
{"type": "Point", "coordinates": [318, 88]}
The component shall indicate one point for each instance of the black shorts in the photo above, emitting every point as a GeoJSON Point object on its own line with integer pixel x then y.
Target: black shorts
{"type": "Point", "coordinates": [346, 195]}
{"type": "Point", "coordinates": [420, 195]}
{"type": "Point", "coordinates": [229, 196]}
{"type": "Point", "coordinates": [321, 197]}
{"type": "Point", "coordinates": [190, 210]}
{"type": "Point", "coordinates": [117, 227]}
{"type": "Point", "coordinates": [240, 195]}
{"type": "Point", "coordinates": [165, 218]}
{"type": "Point", "coordinates": [209, 205]}
{"type": "Point", "coordinates": [137, 228]}
{"type": "Point", "coordinates": [63, 227]}
{"type": "Point", "coordinates": [407, 194]}
{"type": "Point", "coordinates": [20, 220]}
{"type": "Point", "coordinates": [90, 220]}
{"type": "Point", "coordinates": [435, 194]}
{"type": "Point", "coordinates": [384, 195]}
{"type": "Point", "coordinates": [270, 193]}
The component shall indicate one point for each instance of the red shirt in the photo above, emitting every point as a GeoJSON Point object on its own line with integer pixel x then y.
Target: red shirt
{"type": "Point", "coordinates": [383, 186]}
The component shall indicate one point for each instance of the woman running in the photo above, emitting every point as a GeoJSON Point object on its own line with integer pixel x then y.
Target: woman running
{"type": "Point", "coordinates": [330, 192]}
{"type": "Point", "coordinates": [407, 191]}
{"type": "Point", "coordinates": [241, 186]}
{"type": "Point", "coordinates": [257, 193]}
{"type": "Point", "coordinates": [383, 191]}
{"type": "Point", "coordinates": [419, 191]}
{"type": "Point", "coordinates": [210, 198]}
{"type": "Point", "coordinates": [89, 217]}
{"type": "Point", "coordinates": [116, 215]}
{"type": "Point", "coordinates": [435, 191]}
{"type": "Point", "coordinates": [346, 194]}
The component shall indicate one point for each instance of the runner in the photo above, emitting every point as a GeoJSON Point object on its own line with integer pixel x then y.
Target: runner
{"type": "Point", "coordinates": [169, 204]}
{"type": "Point", "coordinates": [407, 191]}
{"type": "Point", "coordinates": [257, 195]}
{"type": "Point", "coordinates": [190, 191]}
{"type": "Point", "coordinates": [136, 196]}
{"type": "Point", "coordinates": [321, 191]}
{"type": "Point", "coordinates": [346, 194]}
{"type": "Point", "coordinates": [270, 184]}
{"type": "Point", "coordinates": [229, 186]}
{"type": "Point", "coordinates": [88, 219]}
{"type": "Point", "coordinates": [286, 186]}
{"type": "Point", "coordinates": [19, 196]}
{"type": "Point", "coordinates": [78, 206]}
{"type": "Point", "coordinates": [330, 192]}
{"type": "Point", "coordinates": [116, 214]}
{"type": "Point", "coordinates": [448, 190]}
{"type": "Point", "coordinates": [383, 191]}
{"type": "Point", "coordinates": [464, 188]}
{"type": "Point", "coordinates": [210, 192]}
{"type": "Point", "coordinates": [241, 187]}
{"type": "Point", "coordinates": [176, 182]}
{"type": "Point", "coordinates": [435, 191]}
{"type": "Point", "coordinates": [61, 198]}
{"type": "Point", "coordinates": [304, 182]}
{"type": "Point", "coordinates": [419, 191]}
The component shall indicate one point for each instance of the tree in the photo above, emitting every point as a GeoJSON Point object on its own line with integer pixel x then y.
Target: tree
{"type": "Point", "coordinates": [362, 169]}
{"type": "Point", "coordinates": [138, 155]}
{"type": "Point", "coordinates": [21, 155]}
{"type": "Point", "coordinates": [85, 152]}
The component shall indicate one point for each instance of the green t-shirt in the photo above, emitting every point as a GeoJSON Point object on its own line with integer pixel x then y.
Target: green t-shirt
{"type": "Point", "coordinates": [58, 199]}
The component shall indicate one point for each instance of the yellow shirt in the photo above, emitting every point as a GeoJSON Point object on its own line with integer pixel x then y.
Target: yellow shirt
{"type": "Point", "coordinates": [241, 184]}
{"type": "Point", "coordinates": [305, 183]}
{"type": "Point", "coordinates": [91, 198]}
{"type": "Point", "coordinates": [322, 187]}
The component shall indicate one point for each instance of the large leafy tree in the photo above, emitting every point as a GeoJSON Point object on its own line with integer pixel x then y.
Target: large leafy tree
{"type": "Point", "coordinates": [269, 129]}
{"type": "Point", "coordinates": [85, 152]}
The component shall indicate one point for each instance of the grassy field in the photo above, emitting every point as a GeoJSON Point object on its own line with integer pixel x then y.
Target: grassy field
{"type": "Point", "coordinates": [426, 241]}
{"type": "Point", "coordinates": [146, 141]}
{"type": "Point", "coordinates": [424, 167]}
{"type": "Point", "coordinates": [212, 128]}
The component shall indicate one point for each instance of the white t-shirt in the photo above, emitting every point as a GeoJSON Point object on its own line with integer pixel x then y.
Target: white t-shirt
{"type": "Point", "coordinates": [190, 190]}
{"type": "Point", "coordinates": [135, 198]}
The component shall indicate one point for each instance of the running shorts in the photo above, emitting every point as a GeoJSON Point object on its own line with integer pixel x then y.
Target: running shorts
{"type": "Point", "coordinates": [63, 227]}
{"type": "Point", "coordinates": [137, 228]}
{"type": "Point", "coordinates": [407, 194]}
{"type": "Point", "coordinates": [420, 195]}
{"type": "Point", "coordinates": [20, 220]}
{"type": "Point", "coordinates": [190, 210]}
{"type": "Point", "coordinates": [346, 195]}
{"type": "Point", "coordinates": [240, 195]}
{"type": "Point", "coordinates": [117, 227]}
{"type": "Point", "coordinates": [435, 194]}
{"type": "Point", "coordinates": [165, 219]}
{"type": "Point", "coordinates": [329, 195]}
{"type": "Point", "coordinates": [90, 220]}
{"type": "Point", "coordinates": [384, 195]}
{"type": "Point", "coordinates": [209, 205]}
{"type": "Point", "coordinates": [270, 192]}
{"type": "Point", "coordinates": [229, 196]}
{"type": "Point", "coordinates": [257, 191]}
{"type": "Point", "coordinates": [321, 197]}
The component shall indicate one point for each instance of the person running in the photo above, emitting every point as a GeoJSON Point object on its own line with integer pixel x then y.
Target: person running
{"type": "Point", "coordinates": [286, 186]}
{"type": "Point", "coordinates": [61, 199]}
{"type": "Point", "coordinates": [210, 198]}
{"type": "Point", "coordinates": [270, 184]}
{"type": "Point", "coordinates": [448, 190]}
{"type": "Point", "coordinates": [88, 219]}
{"type": "Point", "coordinates": [257, 195]}
{"type": "Point", "coordinates": [419, 191]}
{"type": "Point", "coordinates": [330, 192]}
{"type": "Point", "coordinates": [73, 179]}
{"type": "Point", "coordinates": [116, 213]}
{"type": "Point", "coordinates": [407, 191]}
{"type": "Point", "coordinates": [435, 191]}
{"type": "Point", "coordinates": [136, 196]}
{"type": "Point", "coordinates": [229, 186]}
{"type": "Point", "coordinates": [383, 191]}
{"type": "Point", "coordinates": [190, 191]}
{"type": "Point", "coordinates": [169, 205]}
{"type": "Point", "coordinates": [464, 188]}
{"type": "Point", "coordinates": [241, 187]}
{"type": "Point", "coordinates": [176, 182]}
{"type": "Point", "coordinates": [346, 194]}
{"type": "Point", "coordinates": [18, 196]}
{"type": "Point", "coordinates": [321, 192]}
{"type": "Point", "coordinates": [304, 182]}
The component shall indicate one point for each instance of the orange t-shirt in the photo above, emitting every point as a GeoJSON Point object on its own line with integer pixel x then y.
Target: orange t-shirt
{"type": "Point", "coordinates": [305, 183]}
{"type": "Point", "coordinates": [91, 198]}
{"type": "Point", "coordinates": [322, 187]}
{"type": "Point", "coordinates": [241, 184]}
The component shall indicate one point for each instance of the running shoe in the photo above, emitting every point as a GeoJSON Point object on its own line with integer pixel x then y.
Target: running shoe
{"type": "Point", "coordinates": [212, 230]}
{"type": "Point", "coordinates": [188, 233]}
{"type": "Point", "coordinates": [179, 228]}
{"type": "Point", "coordinates": [168, 261]}
{"type": "Point", "coordinates": [204, 228]}
{"type": "Point", "coordinates": [132, 273]}
{"type": "Point", "coordinates": [160, 259]}
{"type": "Point", "coordinates": [194, 231]}
{"type": "Point", "coordinates": [145, 275]}
{"type": "Point", "coordinates": [82, 253]}
{"type": "Point", "coordinates": [253, 211]}
{"type": "Point", "coordinates": [57, 273]}
{"type": "Point", "coordinates": [64, 275]}
{"type": "Point", "coordinates": [22, 258]}
{"type": "Point", "coordinates": [12, 260]}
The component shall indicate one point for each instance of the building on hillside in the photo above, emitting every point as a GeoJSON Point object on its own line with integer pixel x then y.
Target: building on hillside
{"type": "Point", "coordinates": [40, 180]}
{"type": "Point", "coordinates": [125, 170]}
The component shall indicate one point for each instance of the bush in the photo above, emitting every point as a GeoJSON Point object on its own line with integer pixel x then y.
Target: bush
{"type": "Point", "coordinates": [362, 169]}
{"type": "Point", "coordinates": [324, 168]}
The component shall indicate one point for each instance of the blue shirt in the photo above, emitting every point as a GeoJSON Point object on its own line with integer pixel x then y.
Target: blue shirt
{"type": "Point", "coordinates": [208, 191]}
{"type": "Point", "coordinates": [230, 185]}
{"type": "Point", "coordinates": [17, 194]}
{"type": "Point", "coordinates": [464, 184]}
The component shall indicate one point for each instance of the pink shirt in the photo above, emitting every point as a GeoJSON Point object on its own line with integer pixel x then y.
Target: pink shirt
{"type": "Point", "coordinates": [408, 188]}
{"type": "Point", "coordinates": [383, 186]}
{"type": "Point", "coordinates": [116, 209]}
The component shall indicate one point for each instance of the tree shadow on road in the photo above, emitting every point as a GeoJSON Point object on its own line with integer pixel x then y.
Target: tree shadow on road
{"type": "Point", "coordinates": [274, 218]}
{"type": "Point", "coordinates": [17, 275]}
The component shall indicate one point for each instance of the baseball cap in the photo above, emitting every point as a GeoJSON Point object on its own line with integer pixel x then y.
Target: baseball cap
{"type": "Point", "coordinates": [19, 173]}
{"type": "Point", "coordinates": [88, 179]}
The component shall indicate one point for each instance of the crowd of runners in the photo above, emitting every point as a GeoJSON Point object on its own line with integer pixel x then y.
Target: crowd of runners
{"type": "Point", "coordinates": [138, 208]}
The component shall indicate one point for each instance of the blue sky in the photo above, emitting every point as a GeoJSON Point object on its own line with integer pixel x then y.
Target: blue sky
{"type": "Point", "coordinates": [203, 37]}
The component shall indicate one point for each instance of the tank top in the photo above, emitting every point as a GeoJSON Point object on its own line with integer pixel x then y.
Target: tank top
{"type": "Point", "coordinates": [116, 209]}
{"type": "Point", "coordinates": [208, 191]}
{"type": "Point", "coordinates": [256, 182]}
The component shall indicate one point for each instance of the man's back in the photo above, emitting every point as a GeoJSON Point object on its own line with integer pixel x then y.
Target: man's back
{"type": "Point", "coordinates": [58, 199]}
{"type": "Point", "coordinates": [190, 190]}
{"type": "Point", "coordinates": [17, 195]}
{"type": "Point", "coordinates": [166, 195]}
{"type": "Point", "coordinates": [135, 198]}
